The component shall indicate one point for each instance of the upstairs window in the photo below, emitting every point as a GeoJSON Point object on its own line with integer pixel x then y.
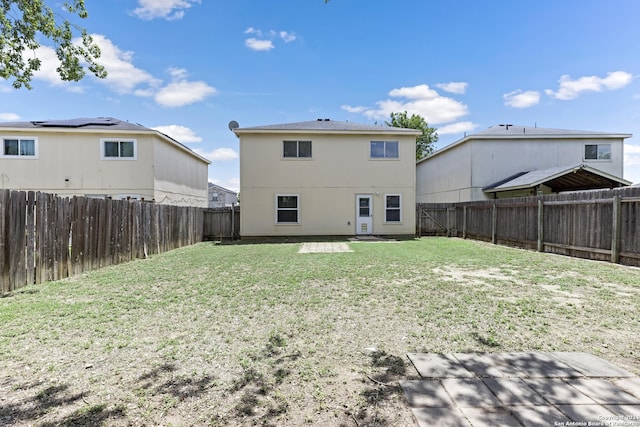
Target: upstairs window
{"type": "Point", "coordinates": [597, 152]}
{"type": "Point", "coordinates": [19, 147]}
{"type": "Point", "coordinates": [287, 209]}
{"type": "Point", "coordinates": [296, 149]}
{"type": "Point", "coordinates": [114, 149]}
{"type": "Point", "coordinates": [384, 149]}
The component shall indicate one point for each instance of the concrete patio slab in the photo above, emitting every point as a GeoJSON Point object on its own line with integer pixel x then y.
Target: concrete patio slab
{"type": "Point", "coordinates": [585, 413]}
{"type": "Point", "coordinates": [558, 392]}
{"type": "Point", "coordinates": [603, 392]}
{"type": "Point", "coordinates": [469, 392]}
{"type": "Point", "coordinates": [590, 366]}
{"type": "Point", "coordinates": [514, 391]}
{"type": "Point", "coordinates": [324, 247]}
{"type": "Point", "coordinates": [540, 365]}
{"type": "Point", "coordinates": [440, 417]}
{"type": "Point", "coordinates": [489, 417]}
{"type": "Point", "coordinates": [536, 416]}
{"type": "Point", "coordinates": [439, 366]}
{"type": "Point", "coordinates": [630, 385]}
{"type": "Point", "coordinates": [482, 365]}
{"type": "Point", "coordinates": [521, 389]}
{"type": "Point", "coordinates": [426, 394]}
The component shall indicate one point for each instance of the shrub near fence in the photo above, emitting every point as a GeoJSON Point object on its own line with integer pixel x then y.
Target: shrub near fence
{"type": "Point", "coordinates": [601, 225]}
{"type": "Point", "coordinates": [44, 237]}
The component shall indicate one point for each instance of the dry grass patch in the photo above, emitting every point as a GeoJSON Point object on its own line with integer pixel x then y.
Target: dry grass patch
{"type": "Point", "coordinates": [262, 335]}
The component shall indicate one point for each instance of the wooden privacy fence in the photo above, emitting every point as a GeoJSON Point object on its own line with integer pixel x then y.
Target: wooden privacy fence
{"type": "Point", "coordinates": [601, 225]}
{"type": "Point", "coordinates": [221, 223]}
{"type": "Point", "coordinates": [44, 237]}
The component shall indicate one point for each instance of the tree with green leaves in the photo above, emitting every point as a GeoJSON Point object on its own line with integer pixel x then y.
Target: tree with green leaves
{"type": "Point", "coordinates": [425, 142]}
{"type": "Point", "coordinates": [24, 23]}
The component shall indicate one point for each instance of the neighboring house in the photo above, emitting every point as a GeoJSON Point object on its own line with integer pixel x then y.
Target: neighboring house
{"type": "Point", "coordinates": [326, 177]}
{"type": "Point", "coordinates": [100, 157]}
{"type": "Point", "coordinates": [220, 197]}
{"type": "Point", "coordinates": [512, 161]}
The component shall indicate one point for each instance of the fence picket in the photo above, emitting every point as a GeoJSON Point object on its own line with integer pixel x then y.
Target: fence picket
{"type": "Point", "coordinates": [44, 237]}
{"type": "Point", "coordinates": [582, 224]}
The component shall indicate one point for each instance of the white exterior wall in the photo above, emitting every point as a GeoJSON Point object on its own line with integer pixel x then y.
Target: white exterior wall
{"type": "Point", "coordinates": [69, 163]}
{"type": "Point", "coordinates": [179, 178]}
{"type": "Point", "coordinates": [461, 172]}
{"type": "Point", "coordinates": [446, 177]}
{"type": "Point", "coordinates": [327, 184]}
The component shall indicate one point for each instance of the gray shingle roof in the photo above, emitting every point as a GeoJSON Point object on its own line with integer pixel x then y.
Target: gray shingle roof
{"type": "Point", "coordinates": [326, 125]}
{"type": "Point", "coordinates": [524, 131]}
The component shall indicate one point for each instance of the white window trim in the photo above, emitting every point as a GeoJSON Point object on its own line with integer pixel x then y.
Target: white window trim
{"type": "Point", "coordinates": [385, 158]}
{"type": "Point", "coordinates": [298, 141]}
{"type": "Point", "coordinates": [119, 139]}
{"type": "Point", "coordinates": [35, 147]}
{"type": "Point", "coordinates": [584, 149]}
{"type": "Point", "coordinates": [275, 218]}
{"type": "Point", "coordinates": [399, 209]}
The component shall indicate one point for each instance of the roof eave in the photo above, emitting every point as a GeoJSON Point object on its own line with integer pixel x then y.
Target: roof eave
{"type": "Point", "coordinates": [408, 132]}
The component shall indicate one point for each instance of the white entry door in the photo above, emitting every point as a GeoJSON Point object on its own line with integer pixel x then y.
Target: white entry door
{"type": "Point", "coordinates": [364, 210]}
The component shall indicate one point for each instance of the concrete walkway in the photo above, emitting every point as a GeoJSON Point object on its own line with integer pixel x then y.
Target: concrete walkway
{"type": "Point", "coordinates": [521, 389]}
{"type": "Point", "coordinates": [324, 247]}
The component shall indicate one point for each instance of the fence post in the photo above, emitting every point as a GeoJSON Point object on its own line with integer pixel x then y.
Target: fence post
{"type": "Point", "coordinates": [615, 230]}
{"type": "Point", "coordinates": [494, 224]}
{"type": "Point", "coordinates": [540, 225]}
{"type": "Point", "coordinates": [464, 222]}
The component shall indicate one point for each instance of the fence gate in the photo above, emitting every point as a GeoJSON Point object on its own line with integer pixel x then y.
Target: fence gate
{"type": "Point", "coordinates": [434, 221]}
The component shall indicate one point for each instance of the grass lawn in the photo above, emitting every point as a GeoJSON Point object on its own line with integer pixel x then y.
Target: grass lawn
{"type": "Point", "coordinates": [258, 334]}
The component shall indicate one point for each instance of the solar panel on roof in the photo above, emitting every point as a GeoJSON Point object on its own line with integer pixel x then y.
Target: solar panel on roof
{"type": "Point", "coordinates": [76, 123]}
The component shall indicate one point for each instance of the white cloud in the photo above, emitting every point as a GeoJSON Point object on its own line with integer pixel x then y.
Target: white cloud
{"type": "Point", "coordinates": [357, 110]}
{"type": "Point", "coordinates": [571, 89]}
{"type": "Point", "coordinates": [287, 37]}
{"type": "Point", "coordinates": [9, 117]}
{"type": "Point", "coordinates": [264, 40]}
{"type": "Point", "coordinates": [167, 9]}
{"type": "Point", "coordinates": [181, 134]}
{"type": "Point", "coordinates": [421, 100]}
{"type": "Point", "coordinates": [454, 128]}
{"type": "Point", "coordinates": [454, 87]}
{"type": "Point", "coordinates": [122, 75]}
{"type": "Point", "coordinates": [521, 99]}
{"type": "Point", "coordinates": [181, 93]}
{"type": "Point", "coordinates": [219, 154]}
{"type": "Point", "coordinates": [259, 45]}
{"type": "Point", "coordinates": [232, 184]}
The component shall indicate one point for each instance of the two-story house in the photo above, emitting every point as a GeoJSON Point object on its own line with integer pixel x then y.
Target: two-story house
{"type": "Point", "coordinates": [219, 197]}
{"type": "Point", "coordinates": [101, 157]}
{"type": "Point", "coordinates": [327, 177]}
{"type": "Point", "coordinates": [513, 161]}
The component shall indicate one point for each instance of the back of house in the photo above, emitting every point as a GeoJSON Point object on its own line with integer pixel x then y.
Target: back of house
{"type": "Point", "coordinates": [512, 161]}
{"type": "Point", "coordinates": [101, 157]}
{"type": "Point", "coordinates": [325, 178]}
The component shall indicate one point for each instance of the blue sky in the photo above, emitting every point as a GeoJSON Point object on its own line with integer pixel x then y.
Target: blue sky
{"type": "Point", "coordinates": [188, 67]}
